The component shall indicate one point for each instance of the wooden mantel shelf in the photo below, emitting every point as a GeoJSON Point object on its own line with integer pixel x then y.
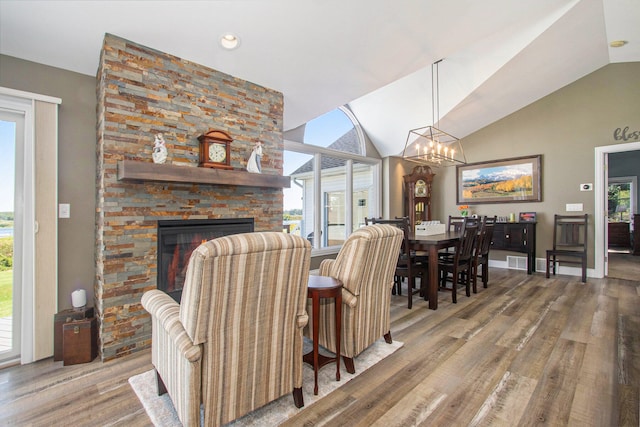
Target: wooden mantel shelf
{"type": "Point", "coordinates": [147, 171]}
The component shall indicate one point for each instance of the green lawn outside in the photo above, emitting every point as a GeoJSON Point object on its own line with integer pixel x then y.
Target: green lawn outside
{"type": "Point", "coordinates": [6, 292]}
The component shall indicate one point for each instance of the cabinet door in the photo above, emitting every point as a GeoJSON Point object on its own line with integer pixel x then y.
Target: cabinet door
{"type": "Point", "coordinates": [498, 242]}
{"type": "Point", "coordinates": [516, 237]}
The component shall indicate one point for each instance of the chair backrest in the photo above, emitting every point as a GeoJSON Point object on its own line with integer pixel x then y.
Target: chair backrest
{"type": "Point", "coordinates": [466, 244]}
{"type": "Point", "coordinates": [570, 232]}
{"type": "Point", "coordinates": [455, 223]}
{"type": "Point", "coordinates": [405, 249]}
{"type": "Point", "coordinates": [244, 300]}
{"type": "Point", "coordinates": [485, 235]}
{"type": "Point", "coordinates": [366, 265]}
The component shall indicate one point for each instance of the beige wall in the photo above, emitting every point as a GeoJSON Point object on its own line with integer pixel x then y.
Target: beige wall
{"type": "Point", "coordinates": [564, 127]}
{"type": "Point", "coordinates": [76, 165]}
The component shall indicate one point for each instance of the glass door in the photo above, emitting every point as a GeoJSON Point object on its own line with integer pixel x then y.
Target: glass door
{"type": "Point", "coordinates": [11, 126]}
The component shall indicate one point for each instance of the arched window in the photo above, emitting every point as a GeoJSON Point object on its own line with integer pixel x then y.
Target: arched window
{"type": "Point", "coordinates": [337, 130]}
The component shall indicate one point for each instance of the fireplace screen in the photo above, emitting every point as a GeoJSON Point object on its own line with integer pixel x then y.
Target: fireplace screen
{"type": "Point", "coordinates": [178, 239]}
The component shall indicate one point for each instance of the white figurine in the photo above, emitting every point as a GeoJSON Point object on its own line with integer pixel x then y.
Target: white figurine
{"type": "Point", "coordinates": [253, 165]}
{"type": "Point", "coordinates": [159, 150]}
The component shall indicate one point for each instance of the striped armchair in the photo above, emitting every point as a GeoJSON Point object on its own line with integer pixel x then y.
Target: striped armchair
{"type": "Point", "coordinates": [234, 343]}
{"type": "Point", "coordinates": [365, 264]}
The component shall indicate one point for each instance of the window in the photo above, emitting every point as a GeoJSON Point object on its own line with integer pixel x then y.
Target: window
{"type": "Point", "coordinates": [333, 185]}
{"type": "Point", "coordinates": [621, 199]}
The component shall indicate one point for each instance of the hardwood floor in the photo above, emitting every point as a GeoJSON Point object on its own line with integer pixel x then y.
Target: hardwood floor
{"type": "Point", "coordinates": [623, 265]}
{"type": "Point", "coordinates": [525, 351]}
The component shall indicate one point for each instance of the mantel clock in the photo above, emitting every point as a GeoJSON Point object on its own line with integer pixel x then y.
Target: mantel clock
{"type": "Point", "coordinates": [215, 150]}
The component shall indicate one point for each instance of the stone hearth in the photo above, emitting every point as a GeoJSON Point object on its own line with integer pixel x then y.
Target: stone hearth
{"type": "Point", "coordinates": [142, 92]}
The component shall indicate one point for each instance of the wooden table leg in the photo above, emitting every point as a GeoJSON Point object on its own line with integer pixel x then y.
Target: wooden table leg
{"type": "Point", "coordinates": [316, 333]}
{"type": "Point", "coordinates": [433, 277]}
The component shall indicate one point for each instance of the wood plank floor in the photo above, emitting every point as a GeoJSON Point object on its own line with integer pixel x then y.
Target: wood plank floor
{"type": "Point", "coordinates": [525, 351]}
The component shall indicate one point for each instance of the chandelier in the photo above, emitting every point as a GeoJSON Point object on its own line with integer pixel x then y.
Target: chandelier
{"type": "Point", "coordinates": [430, 145]}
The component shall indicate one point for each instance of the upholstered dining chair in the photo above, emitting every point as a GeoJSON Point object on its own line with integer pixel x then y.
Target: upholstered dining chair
{"type": "Point", "coordinates": [460, 266]}
{"type": "Point", "coordinates": [234, 343]}
{"type": "Point", "coordinates": [365, 264]}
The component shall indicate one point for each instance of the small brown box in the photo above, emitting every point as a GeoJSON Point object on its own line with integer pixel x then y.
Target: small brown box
{"type": "Point", "coordinates": [66, 316]}
{"type": "Point", "coordinates": [79, 341]}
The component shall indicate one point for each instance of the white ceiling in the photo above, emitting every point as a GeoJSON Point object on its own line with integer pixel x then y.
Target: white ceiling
{"type": "Point", "coordinates": [375, 55]}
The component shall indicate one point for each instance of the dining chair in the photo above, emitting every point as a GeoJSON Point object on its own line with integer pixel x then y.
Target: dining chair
{"type": "Point", "coordinates": [456, 224]}
{"type": "Point", "coordinates": [408, 265]}
{"type": "Point", "coordinates": [460, 266]}
{"type": "Point", "coordinates": [481, 253]}
{"type": "Point", "coordinates": [569, 243]}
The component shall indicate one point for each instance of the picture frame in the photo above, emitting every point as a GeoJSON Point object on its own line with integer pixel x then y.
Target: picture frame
{"type": "Point", "coordinates": [513, 180]}
{"type": "Point", "coordinates": [527, 217]}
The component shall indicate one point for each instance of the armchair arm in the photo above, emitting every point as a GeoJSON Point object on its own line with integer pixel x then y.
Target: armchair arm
{"type": "Point", "coordinates": [166, 311]}
{"type": "Point", "coordinates": [348, 298]}
{"type": "Point", "coordinates": [326, 265]}
{"type": "Point", "coordinates": [303, 319]}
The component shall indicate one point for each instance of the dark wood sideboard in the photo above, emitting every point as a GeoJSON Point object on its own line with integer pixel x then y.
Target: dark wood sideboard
{"type": "Point", "coordinates": [619, 234]}
{"type": "Point", "coordinates": [517, 237]}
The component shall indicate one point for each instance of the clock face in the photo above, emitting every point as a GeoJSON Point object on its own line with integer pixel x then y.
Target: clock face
{"type": "Point", "coordinates": [421, 188]}
{"type": "Point", "coordinates": [217, 153]}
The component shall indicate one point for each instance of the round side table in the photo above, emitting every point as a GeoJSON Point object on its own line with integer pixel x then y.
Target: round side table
{"type": "Point", "coordinates": [324, 287]}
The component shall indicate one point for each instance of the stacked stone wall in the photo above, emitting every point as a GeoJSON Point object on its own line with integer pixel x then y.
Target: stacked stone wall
{"type": "Point", "coordinates": [142, 92]}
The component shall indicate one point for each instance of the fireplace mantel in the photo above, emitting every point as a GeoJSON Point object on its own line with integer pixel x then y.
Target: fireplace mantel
{"type": "Point", "coordinates": [147, 171]}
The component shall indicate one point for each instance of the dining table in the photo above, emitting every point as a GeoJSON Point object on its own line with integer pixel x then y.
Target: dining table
{"type": "Point", "coordinates": [432, 244]}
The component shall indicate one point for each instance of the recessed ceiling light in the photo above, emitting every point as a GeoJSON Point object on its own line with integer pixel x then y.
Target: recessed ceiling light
{"type": "Point", "coordinates": [618, 43]}
{"type": "Point", "coordinates": [229, 41]}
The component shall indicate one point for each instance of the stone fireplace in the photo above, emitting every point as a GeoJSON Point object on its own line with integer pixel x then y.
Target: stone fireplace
{"type": "Point", "coordinates": [142, 92]}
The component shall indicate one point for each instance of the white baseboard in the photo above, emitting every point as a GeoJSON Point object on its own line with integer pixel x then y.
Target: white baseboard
{"type": "Point", "coordinates": [520, 263]}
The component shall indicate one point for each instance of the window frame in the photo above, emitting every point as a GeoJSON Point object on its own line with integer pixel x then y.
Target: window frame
{"type": "Point", "coordinates": [633, 188]}
{"type": "Point", "coordinates": [317, 152]}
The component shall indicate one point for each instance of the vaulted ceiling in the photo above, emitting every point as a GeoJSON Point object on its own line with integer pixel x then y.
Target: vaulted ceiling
{"type": "Point", "coordinates": [374, 55]}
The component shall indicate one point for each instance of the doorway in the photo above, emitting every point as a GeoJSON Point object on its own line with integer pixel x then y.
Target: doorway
{"type": "Point", "coordinates": [601, 218]}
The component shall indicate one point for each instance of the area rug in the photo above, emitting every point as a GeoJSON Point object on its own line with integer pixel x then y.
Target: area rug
{"type": "Point", "coordinates": [162, 413]}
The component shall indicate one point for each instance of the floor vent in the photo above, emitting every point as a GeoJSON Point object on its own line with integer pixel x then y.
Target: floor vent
{"type": "Point", "coordinates": [541, 265]}
{"type": "Point", "coordinates": [517, 262]}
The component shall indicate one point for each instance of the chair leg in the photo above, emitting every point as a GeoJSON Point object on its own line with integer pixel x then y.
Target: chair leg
{"type": "Point", "coordinates": [454, 285]}
{"type": "Point", "coordinates": [162, 389]}
{"type": "Point", "coordinates": [584, 271]}
{"type": "Point", "coordinates": [348, 364]}
{"type": "Point", "coordinates": [298, 399]}
{"type": "Point", "coordinates": [548, 267]}
{"type": "Point", "coordinates": [485, 274]}
{"type": "Point", "coordinates": [474, 278]}
{"type": "Point", "coordinates": [467, 282]}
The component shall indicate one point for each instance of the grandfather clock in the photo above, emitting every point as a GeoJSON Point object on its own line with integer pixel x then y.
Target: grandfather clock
{"type": "Point", "coordinates": [417, 194]}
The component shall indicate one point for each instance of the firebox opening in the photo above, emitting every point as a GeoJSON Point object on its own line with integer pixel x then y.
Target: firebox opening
{"type": "Point", "coordinates": [177, 239]}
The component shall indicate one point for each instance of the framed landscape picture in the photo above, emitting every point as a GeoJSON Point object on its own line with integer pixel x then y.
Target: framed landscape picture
{"type": "Point", "coordinates": [500, 181]}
